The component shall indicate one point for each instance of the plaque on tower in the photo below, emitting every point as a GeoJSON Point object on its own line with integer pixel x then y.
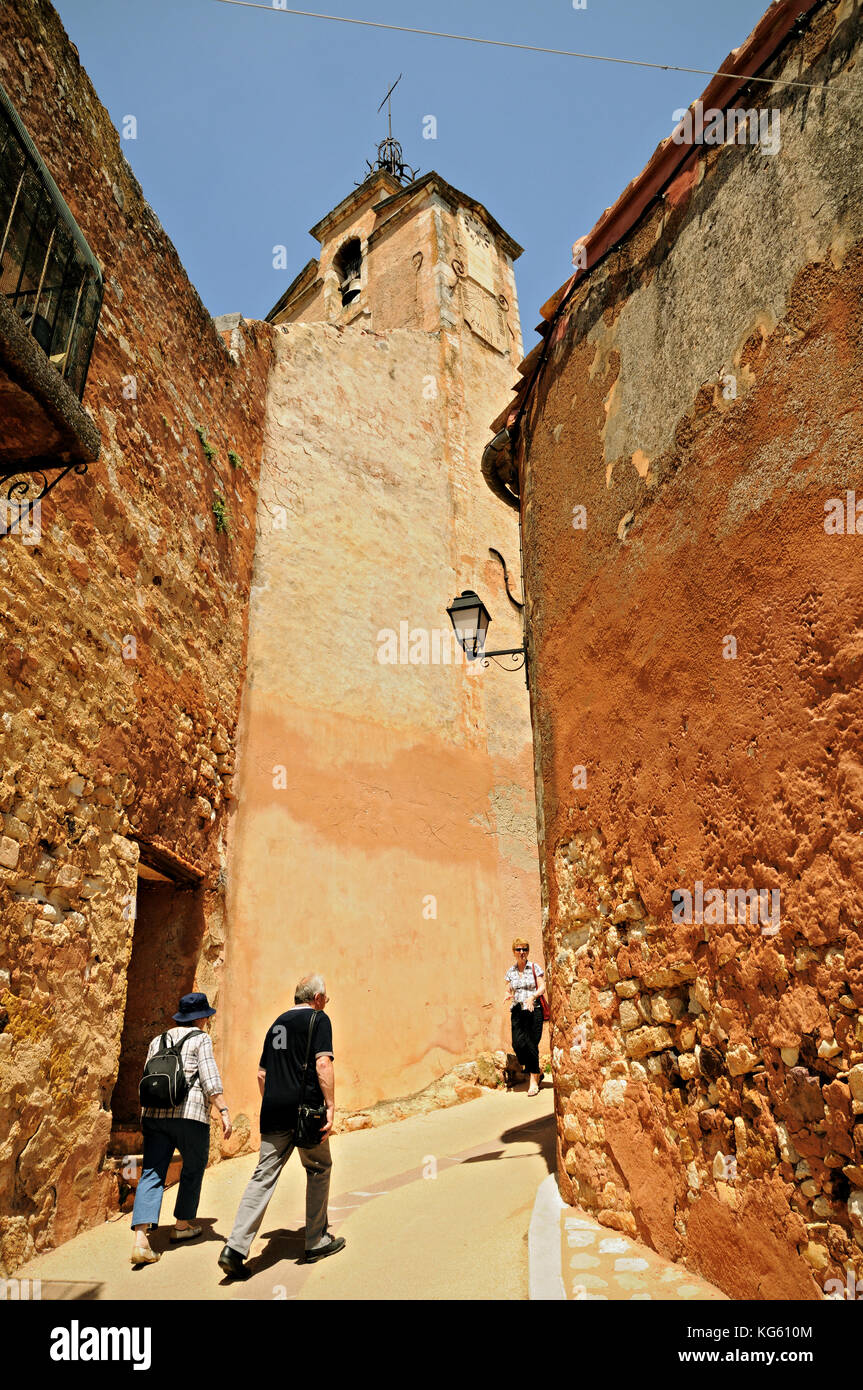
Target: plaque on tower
{"type": "Point", "coordinates": [479, 249]}
{"type": "Point", "coordinates": [484, 315]}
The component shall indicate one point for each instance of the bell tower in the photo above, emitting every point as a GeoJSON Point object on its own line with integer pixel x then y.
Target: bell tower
{"type": "Point", "coordinates": [402, 251]}
{"type": "Point", "coordinates": [384, 792]}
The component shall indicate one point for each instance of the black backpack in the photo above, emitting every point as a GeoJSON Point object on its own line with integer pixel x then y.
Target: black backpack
{"type": "Point", "coordinates": [164, 1085]}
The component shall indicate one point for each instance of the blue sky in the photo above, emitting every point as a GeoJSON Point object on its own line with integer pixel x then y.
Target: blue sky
{"type": "Point", "coordinates": [253, 123]}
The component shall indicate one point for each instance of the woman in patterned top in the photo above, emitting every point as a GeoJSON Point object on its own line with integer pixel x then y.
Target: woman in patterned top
{"type": "Point", "coordinates": [525, 983]}
{"type": "Point", "coordinates": [187, 1128]}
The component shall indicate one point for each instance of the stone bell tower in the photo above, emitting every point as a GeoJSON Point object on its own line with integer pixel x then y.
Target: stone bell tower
{"type": "Point", "coordinates": [419, 255]}
{"type": "Point", "coordinates": [385, 813]}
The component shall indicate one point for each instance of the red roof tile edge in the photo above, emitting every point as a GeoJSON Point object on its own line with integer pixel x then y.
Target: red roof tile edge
{"type": "Point", "coordinates": [664, 164]}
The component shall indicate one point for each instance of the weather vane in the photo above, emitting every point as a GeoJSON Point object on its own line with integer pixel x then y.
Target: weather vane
{"type": "Point", "coordinates": [390, 153]}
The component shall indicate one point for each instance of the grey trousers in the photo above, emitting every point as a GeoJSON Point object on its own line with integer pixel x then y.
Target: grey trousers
{"type": "Point", "coordinates": [276, 1149]}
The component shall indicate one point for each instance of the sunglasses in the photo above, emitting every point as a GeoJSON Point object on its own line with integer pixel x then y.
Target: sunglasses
{"type": "Point", "coordinates": [522, 950]}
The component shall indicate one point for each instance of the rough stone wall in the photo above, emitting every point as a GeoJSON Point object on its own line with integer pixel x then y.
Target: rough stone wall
{"type": "Point", "coordinates": [385, 826]}
{"type": "Point", "coordinates": [697, 651]}
{"type": "Point", "coordinates": [122, 658]}
{"type": "Point", "coordinates": [402, 285]}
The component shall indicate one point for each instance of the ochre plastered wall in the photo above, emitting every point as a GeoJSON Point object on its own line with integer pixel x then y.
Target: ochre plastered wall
{"type": "Point", "coordinates": [123, 651]}
{"type": "Point", "coordinates": [402, 783]}
{"type": "Point", "coordinates": [702, 401]}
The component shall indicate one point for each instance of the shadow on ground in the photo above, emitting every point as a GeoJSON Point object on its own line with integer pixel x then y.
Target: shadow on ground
{"type": "Point", "coordinates": [70, 1290]}
{"type": "Point", "coordinates": [282, 1245]}
{"type": "Point", "coordinates": [160, 1239]}
{"type": "Point", "coordinates": [543, 1133]}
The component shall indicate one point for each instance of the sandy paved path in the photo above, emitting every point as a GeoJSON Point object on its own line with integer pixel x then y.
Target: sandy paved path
{"type": "Point", "coordinates": [460, 1234]}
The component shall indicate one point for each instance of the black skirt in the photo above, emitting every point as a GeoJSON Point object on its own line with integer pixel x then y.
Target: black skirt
{"type": "Point", "coordinates": [526, 1033]}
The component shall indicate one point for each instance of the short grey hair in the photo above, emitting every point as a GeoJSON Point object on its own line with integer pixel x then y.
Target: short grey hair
{"type": "Point", "coordinates": [308, 987]}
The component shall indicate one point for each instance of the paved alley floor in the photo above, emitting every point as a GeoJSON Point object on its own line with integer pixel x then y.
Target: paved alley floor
{"type": "Point", "coordinates": [574, 1257]}
{"type": "Point", "coordinates": [598, 1263]}
{"type": "Point", "coordinates": [432, 1207]}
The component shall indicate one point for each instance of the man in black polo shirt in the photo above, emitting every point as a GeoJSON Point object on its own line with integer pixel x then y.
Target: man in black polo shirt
{"type": "Point", "coordinates": [280, 1077]}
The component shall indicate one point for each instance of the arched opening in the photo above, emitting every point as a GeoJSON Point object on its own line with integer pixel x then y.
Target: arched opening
{"type": "Point", "coordinates": [348, 264]}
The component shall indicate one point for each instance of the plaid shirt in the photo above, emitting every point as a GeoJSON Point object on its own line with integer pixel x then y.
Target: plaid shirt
{"type": "Point", "coordinates": [199, 1064]}
{"type": "Point", "coordinates": [522, 981]}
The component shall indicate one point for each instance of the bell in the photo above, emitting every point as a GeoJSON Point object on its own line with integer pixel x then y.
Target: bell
{"type": "Point", "coordinates": [351, 289]}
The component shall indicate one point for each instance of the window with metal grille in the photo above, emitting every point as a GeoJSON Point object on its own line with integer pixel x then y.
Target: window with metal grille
{"type": "Point", "coordinates": [47, 270]}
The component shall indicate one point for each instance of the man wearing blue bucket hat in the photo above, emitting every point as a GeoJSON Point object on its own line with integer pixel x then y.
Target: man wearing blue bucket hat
{"type": "Point", "coordinates": [181, 1082]}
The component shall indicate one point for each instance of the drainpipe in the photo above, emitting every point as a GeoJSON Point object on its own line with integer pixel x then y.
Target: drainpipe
{"type": "Point", "coordinates": [495, 453]}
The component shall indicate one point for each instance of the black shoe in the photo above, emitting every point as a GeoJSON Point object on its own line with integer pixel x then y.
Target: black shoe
{"type": "Point", "coordinates": [336, 1243]}
{"type": "Point", "coordinates": [231, 1261]}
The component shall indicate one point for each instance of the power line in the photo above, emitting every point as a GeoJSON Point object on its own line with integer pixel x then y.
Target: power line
{"type": "Point", "coordinates": [522, 47]}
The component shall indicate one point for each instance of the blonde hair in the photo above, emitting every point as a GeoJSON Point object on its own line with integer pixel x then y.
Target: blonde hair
{"type": "Point", "coordinates": [520, 941]}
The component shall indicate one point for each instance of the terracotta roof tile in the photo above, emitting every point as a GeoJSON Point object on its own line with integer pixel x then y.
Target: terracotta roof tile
{"type": "Point", "coordinates": [664, 172]}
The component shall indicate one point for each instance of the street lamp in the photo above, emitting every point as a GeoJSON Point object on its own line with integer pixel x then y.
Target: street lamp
{"type": "Point", "coordinates": [470, 619]}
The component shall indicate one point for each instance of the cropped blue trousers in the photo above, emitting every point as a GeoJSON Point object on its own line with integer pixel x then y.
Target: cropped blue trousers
{"type": "Point", "coordinates": [161, 1138]}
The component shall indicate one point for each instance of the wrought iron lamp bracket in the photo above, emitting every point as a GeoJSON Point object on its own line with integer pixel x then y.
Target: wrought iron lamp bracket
{"type": "Point", "coordinates": [17, 480]}
{"type": "Point", "coordinates": [513, 653]}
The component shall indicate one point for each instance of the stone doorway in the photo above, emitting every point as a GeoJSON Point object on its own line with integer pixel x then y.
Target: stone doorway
{"type": "Point", "coordinates": [166, 944]}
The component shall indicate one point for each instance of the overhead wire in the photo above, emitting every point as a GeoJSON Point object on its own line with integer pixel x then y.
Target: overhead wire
{"type": "Point", "coordinates": [744, 78]}
{"type": "Point", "coordinates": [521, 47]}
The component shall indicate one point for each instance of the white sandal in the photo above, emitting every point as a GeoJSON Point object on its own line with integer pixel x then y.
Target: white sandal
{"type": "Point", "coordinates": [144, 1256]}
{"type": "Point", "coordinates": [187, 1233]}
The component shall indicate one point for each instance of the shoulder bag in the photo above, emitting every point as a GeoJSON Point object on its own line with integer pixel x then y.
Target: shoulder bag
{"type": "Point", "coordinates": [543, 999]}
{"type": "Point", "coordinates": [310, 1118]}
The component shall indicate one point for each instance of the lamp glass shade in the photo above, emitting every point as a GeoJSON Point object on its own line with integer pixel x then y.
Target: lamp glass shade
{"type": "Point", "coordinates": [470, 619]}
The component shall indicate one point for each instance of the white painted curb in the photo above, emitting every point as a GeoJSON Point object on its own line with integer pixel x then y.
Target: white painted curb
{"type": "Point", "coordinates": [545, 1275]}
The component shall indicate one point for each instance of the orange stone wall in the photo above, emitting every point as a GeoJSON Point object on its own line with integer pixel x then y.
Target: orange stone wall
{"type": "Point", "coordinates": [697, 654]}
{"type": "Point", "coordinates": [122, 658]}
